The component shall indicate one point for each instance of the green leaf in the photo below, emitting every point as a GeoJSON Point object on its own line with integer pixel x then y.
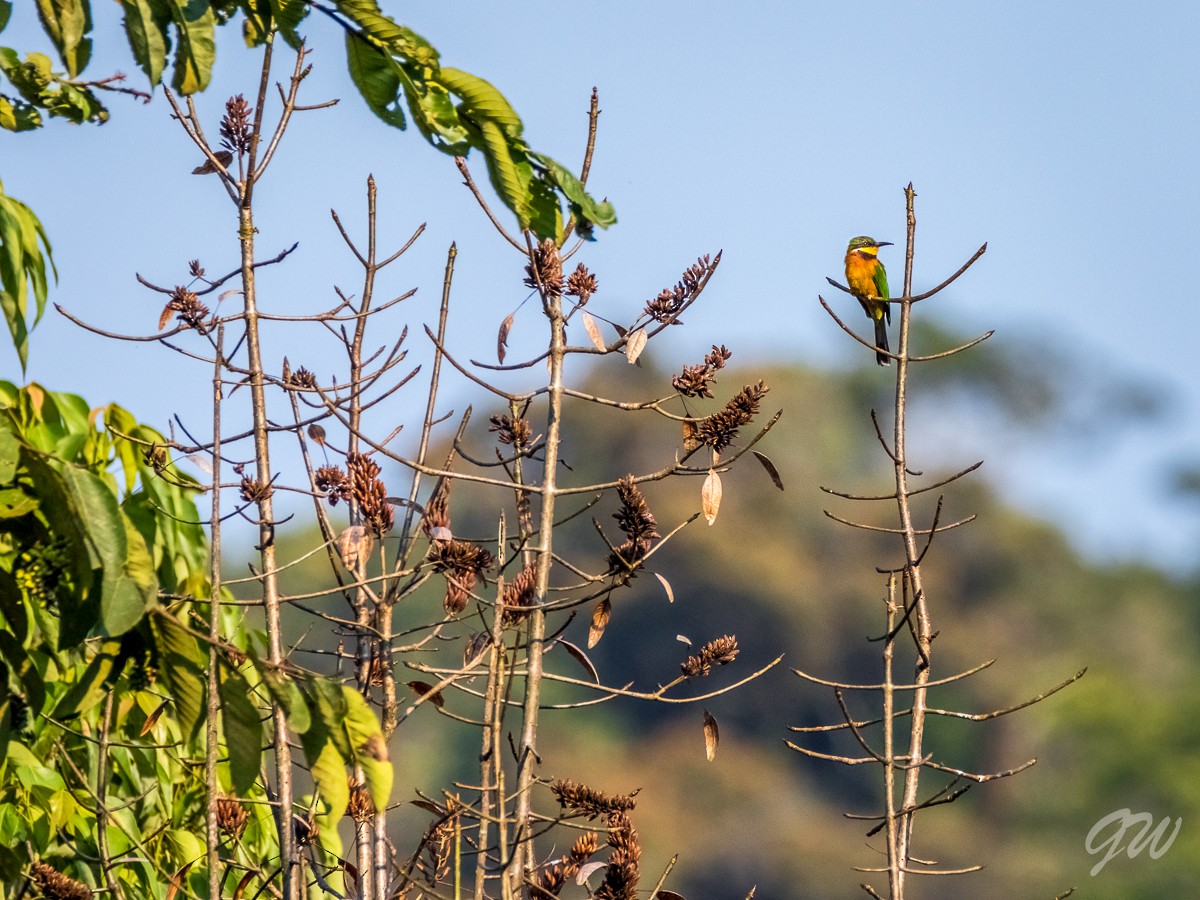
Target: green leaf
{"type": "Point", "coordinates": [434, 111]}
{"type": "Point", "coordinates": [195, 47]}
{"type": "Point", "coordinates": [382, 30]}
{"type": "Point", "coordinates": [91, 684]}
{"type": "Point", "coordinates": [10, 452]}
{"type": "Point", "coordinates": [284, 691]}
{"type": "Point", "coordinates": [481, 99]}
{"type": "Point", "coordinates": [582, 204]}
{"type": "Point", "coordinates": [370, 750]}
{"type": "Point", "coordinates": [68, 22]}
{"type": "Point", "coordinates": [23, 667]}
{"type": "Point", "coordinates": [375, 75]}
{"type": "Point", "coordinates": [243, 730]}
{"type": "Point", "coordinates": [327, 703]}
{"type": "Point", "coordinates": [507, 177]}
{"type": "Point", "coordinates": [288, 14]}
{"type": "Point", "coordinates": [5, 13]}
{"type": "Point", "coordinates": [18, 116]}
{"type": "Point", "coordinates": [14, 502]}
{"type": "Point", "coordinates": [179, 662]}
{"type": "Point", "coordinates": [146, 24]}
{"type": "Point", "coordinates": [22, 265]}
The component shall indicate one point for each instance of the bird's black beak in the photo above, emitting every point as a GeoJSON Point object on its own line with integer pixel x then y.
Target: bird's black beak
{"type": "Point", "coordinates": [884, 244]}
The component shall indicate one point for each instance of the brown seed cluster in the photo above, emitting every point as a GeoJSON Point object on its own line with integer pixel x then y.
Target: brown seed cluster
{"type": "Point", "coordinates": [333, 483]}
{"type": "Point", "coordinates": [195, 268]}
{"type": "Point", "coordinates": [54, 885]}
{"type": "Point", "coordinates": [462, 563]}
{"type": "Point", "coordinates": [439, 845]}
{"type": "Point", "coordinates": [697, 381]}
{"type": "Point", "coordinates": [715, 653]}
{"type": "Point", "coordinates": [588, 802]}
{"type": "Point", "coordinates": [188, 308]}
{"type": "Point", "coordinates": [551, 879]}
{"type": "Point", "coordinates": [638, 523]}
{"type": "Point", "coordinates": [231, 816]}
{"type": "Point", "coordinates": [671, 301]}
{"type": "Point", "coordinates": [719, 430]}
{"type": "Point", "coordinates": [254, 491]}
{"type": "Point", "coordinates": [369, 493]}
{"type": "Point", "coordinates": [545, 267]}
{"type": "Point", "coordinates": [301, 378]}
{"type": "Point", "coordinates": [519, 595]}
{"type": "Point", "coordinates": [360, 806]}
{"type": "Point", "coordinates": [236, 132]}
{"type": "Point", "coordinates": [517, 432]}
{"type": "Point", "coordinates": [436, 522]}
{"type": "Point", "coordinates": [621, 875]}
{"type": "Point", "coordinates": [581, 284]}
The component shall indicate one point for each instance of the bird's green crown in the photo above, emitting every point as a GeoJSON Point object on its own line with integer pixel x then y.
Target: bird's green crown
{"type": "Point", "coordinates": [862, 241]}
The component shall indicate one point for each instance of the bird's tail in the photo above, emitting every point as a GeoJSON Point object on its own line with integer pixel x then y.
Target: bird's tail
{"type": "Point", "coordinates": [881, 342]}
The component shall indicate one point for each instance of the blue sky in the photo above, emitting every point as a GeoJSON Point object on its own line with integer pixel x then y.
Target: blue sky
{"type": "Point", "coordinates": [1064, 135]}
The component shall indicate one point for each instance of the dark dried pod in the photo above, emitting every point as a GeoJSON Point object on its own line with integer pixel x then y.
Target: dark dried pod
{"type": "Point", "coordinates": [582, 284]}
{"type": "Point", "coordinates": [195, 268]}
{"type": "Point", "coordinates": [671, 301]}
{"type": "Point", "coordinates": [301, 378]}
{"type": "Point", "coordinates": [544, 270]}
{"type": "Point", "coordinates": [517, 432]}
{"type": "Point", "coordinates": [231, 816]}
{"type": "Point", "coordinates": [588, 802]}
{"type": "Point", "coordinates": [54, 885]}
{"type": "Point", "coordinates": [188, 308]}
{"type": "Point", "coordinates": [332, 482]}
{"type": "Point", "coordinates": [254, 491]}
{"type": "Point", "coordinates": [719, 652]}
{"type": "Point", "coordinates": [236, 131]}
{"type": "Point", "coordinates": [624, 862]}
{"type": "Point", "coordinates": [519, 596]}
{"type": "Point", "coordinates": [719, 430]}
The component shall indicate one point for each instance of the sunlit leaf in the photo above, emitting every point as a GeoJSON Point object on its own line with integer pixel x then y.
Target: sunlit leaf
{"type": "Point", "coordinates": [195, 47]}
{"type": "Point", "coordinates": [635, 345]}
{"type": "Point", "coordinates": [593, 331]}
{"type": "Point", "coordinates": [179, 663]}
{"type": "Point", "coordinates": [712, 736]}
{"type": "Point", "coordinates": [666, 587]}
{"type": "Point", "coordinates": [67, 23]}
{"type": "Point", "coordinates": [710, 496]}
{"type": "Point", "coordinates": [586, 870]}
{"type": "Point", "coordinates": [377, 78]}
{"type": "Point", "coordinates": [600, 616]}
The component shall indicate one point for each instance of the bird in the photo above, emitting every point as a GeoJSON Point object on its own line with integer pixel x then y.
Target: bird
{"type": "Point", "coordinates": [867, 279]}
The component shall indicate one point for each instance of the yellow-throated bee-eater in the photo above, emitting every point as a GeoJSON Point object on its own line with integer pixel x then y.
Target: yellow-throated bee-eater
{"type": "Point", "coordinates": [867, 280]}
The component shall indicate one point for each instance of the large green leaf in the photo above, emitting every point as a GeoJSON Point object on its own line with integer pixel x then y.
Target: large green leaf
{"type": "Point", "coordinates": [22, 265]}
{"type": "Point", "coordinates": [375, 75]}
{"type": "Point", "coordinates": [146, 23]}
{"type": "Point", "coordinates": [582, 204]}
{"type": "Point", "coordinates": [5, 13]}
{"type": "Point", "coordinates": [196, 48]}
{"type": "Point", "coordinates": [179, 662]}
{"type": "Point", "coordinates": [284, 691]}
{"type": "Point", "coordinates": [10, 452]}
{"type": "Point", "coordinates": [481, 99]}
{"type": "Point", "coordinates": [288, 14]}
{"type": "Point", "coordinates": [21, 665]}
{"type": "Point", "coordinates": [381, 29]}
{"type": "Point", "coordinates": [91, 684]}
{"type": "Point", "coordinates": [68, 22]}
{"type": "Point", "coordinates": [243, 730]}
{"type": "Point", "coordinates": [370, 750]}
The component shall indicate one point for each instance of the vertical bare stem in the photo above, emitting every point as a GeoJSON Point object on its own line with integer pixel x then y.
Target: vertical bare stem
{"type": "Point", "coordinates": [266, 514]}
{"type": "Point", "coordinates": [527, 757]}
{"type": "Point", "coordinates": [114, 887]}
{"type": "Point", "coordinates": [214, 629]}
{"type": "Point", "coordinates": [923, 628]}
{"type": "Point", "coordinates": [889, 741]}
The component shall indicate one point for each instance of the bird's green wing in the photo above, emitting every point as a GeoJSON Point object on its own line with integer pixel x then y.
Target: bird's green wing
{"type": "Point", "coordinates": [881, 286]}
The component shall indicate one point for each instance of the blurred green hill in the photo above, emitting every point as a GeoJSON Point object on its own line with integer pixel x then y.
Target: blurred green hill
{"type": "Point", "coordinates": [785, 579]}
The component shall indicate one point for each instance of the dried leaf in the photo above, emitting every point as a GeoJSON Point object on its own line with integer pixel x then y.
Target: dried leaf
{"type": "Point", "coordinates": [691, 437]}
{"type": "Point", "coordinates": [440, 533]}
{"type": "Point", "coordinates": [683, 639]}
{"type": "Point", "coordinates": [424, 688]}
{"type": "Point", "coordinates": [429, 807]}
{"type": "Point", "coordinates": [580, 657]}
{"type": "Point", "coordinates": [621, 331]}
{"type": "Point", "coordinates": [710, 496]}
{"type": "Point", "coordinates": [635, 345]}
{"type": "Point", "coordinates": [593, 331]}
{"type": "Point", "coordinates": [502, 337]}
{"type": "Point", "coordinates": [354, 545]}
{"type": "Point", "coordinates": [177, 880]}
{"type": "Point", "coordinates": [770, 467]}
{"type": "Point", "coordinates": [711, 736]}
{"type": "Point", "coordinates": [227, 294]}
{"type": "Point", "coordinates": [165, 316]}
{"type": "Point", "coordinates": [240, 891]}
{"type": "Point", "coordinates": [352, 871]}
{"type": "Point", "coordinates": [600, 616]}
{"type": "Point", "coordinates": [586, 870]}
{"type": "Point", "coordinates": [668, 895]}
{"type": "Point", "coordinates": [152, 719]}
{"type": "Point", "coordinates": [317, 434]}
{"type": "Point", "coordinates": [667, 587]}
{"type": "Point", "coordinates": [224, 157]}
{"type": "Point", "coordinates": [200, 462]}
